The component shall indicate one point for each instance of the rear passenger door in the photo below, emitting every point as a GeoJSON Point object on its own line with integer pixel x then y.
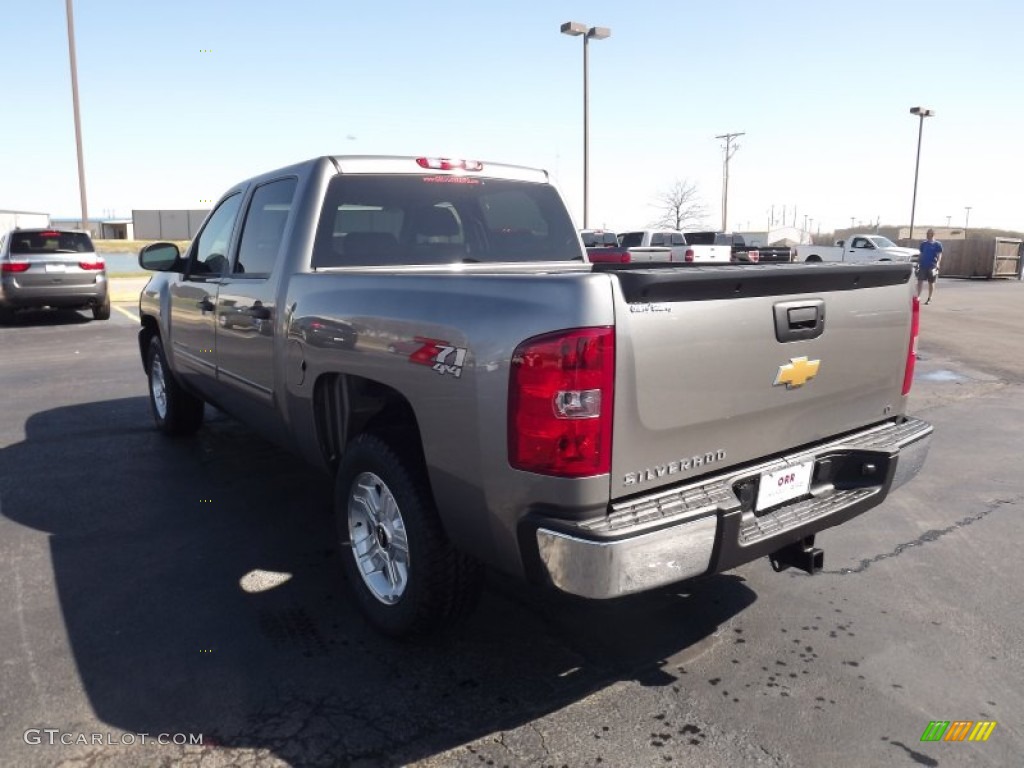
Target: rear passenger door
{"type": "Point", "coordinates": [861, 249]}
{"type": "Point", "coordinates": [247, 310]}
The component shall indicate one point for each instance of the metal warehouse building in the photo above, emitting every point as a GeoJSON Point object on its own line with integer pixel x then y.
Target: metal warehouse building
{"type": "Point", "coordinates": [167, 224]}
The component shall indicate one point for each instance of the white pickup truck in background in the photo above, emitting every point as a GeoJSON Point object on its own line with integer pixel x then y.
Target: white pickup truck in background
{"type": "Point", "coordinates": [671, 245]}
{"type": "Point", "coordinates": [861, 248]}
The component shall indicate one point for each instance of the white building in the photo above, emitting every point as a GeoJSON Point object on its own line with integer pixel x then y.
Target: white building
{"type": "Point", "coordinates": [23, 219]}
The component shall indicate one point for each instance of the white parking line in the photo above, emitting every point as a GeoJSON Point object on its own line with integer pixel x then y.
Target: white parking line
{"type": "Point", "coordinates": [125, 312]}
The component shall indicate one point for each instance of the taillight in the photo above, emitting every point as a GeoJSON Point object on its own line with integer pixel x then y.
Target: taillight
{"type": "Point", "coordinates": [561, 390]}
{"type": "Point", "coordinates": [95, 264]}
{"type": "Point", "coordinates": [14, 266]}
{"type": "Point", "coordinates": [915, 325]}
{"type": "Point", "coordinates": [755, 256]}
{"type": "Point", "coordinates": [689, 256]}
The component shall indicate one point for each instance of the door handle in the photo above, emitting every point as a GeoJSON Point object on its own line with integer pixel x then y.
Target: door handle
{"type": "Point", "coordinates": [205, 304]}
{"type": "Point", "coordinates": [799, 320]}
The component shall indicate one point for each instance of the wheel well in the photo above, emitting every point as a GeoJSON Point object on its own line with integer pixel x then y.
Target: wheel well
{"type": "Point", "coordinates": [148, 331]}
{"type": "Point", "coordinates": [813, 257]}
{"type": "Point", "coordinates": [347, 406]}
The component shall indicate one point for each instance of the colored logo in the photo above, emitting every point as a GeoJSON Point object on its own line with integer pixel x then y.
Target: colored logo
{"type": "Point", "coordinates": [958, 730]}
{"type": "Point", "coordinates": [797, 372]}
{"type": "Point", "coordinates": [441, 356]}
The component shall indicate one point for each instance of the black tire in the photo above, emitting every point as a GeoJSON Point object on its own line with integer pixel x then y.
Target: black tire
{"type": "Point", "coordinates": [102, 311]}
{"type": "Point", "coordinates": [175, 411]}
{"type": "Point", "coordinates": [435, 584]}
{"type": "Point", "coordinates": [6, 316]}
{"type": "Point", "coordinates": [814, 259]}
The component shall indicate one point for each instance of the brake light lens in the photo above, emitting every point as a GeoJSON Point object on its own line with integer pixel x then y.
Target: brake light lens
{"type": "Point", "coordinates": [598, 256]}
{"type": "Point", "coordinates": [95, 264]}
{"type": "Point", "coordinates": [755, 256]}
{"type": "Point", "coordinates": [689, 256]}
{"type": "Point", "coordinates": [915, 325]}
{"type": "Point", "coordinates": [14, 266]}
{"type": "Point", "coordinates": [561, 392]}
{"type": "Point", "coordinates": [447, 164]}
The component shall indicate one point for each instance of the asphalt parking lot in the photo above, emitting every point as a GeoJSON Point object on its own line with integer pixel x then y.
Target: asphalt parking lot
{"type": "Point", "coordinates": [159, 587]}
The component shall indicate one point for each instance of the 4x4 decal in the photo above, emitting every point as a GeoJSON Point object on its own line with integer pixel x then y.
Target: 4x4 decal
{"type": "Point", "coordinates": [442, 357]}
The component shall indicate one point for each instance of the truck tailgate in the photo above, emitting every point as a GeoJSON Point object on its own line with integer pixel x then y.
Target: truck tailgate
{"type": "Point", "coordinates": [718, 366]}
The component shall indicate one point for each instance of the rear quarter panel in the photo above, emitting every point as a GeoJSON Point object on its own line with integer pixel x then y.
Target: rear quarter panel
{"type": "Point", "coordinates": [461, 418]}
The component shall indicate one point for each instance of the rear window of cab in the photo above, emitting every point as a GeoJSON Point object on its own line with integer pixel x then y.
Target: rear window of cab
{"type": "Point", "coordinates": [392, 220]}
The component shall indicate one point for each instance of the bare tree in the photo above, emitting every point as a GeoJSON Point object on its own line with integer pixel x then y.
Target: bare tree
{"type": "Point", "coordinates": [680, 207]}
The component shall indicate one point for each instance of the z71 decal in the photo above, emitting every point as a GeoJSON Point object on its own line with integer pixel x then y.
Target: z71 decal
{"type": "Point", "coordinates": [441, 356]}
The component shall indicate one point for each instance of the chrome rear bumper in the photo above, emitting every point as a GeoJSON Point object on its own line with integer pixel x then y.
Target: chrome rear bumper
{"type": "Point", "coordinates": [669, 536]}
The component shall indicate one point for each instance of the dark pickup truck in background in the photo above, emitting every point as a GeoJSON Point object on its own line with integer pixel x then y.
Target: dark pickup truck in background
{"type": "Point", "coordinates": [741, 252]}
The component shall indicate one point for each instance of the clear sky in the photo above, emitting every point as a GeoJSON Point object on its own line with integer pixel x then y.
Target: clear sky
{"type": "Point", "coordinates": [181, 99]}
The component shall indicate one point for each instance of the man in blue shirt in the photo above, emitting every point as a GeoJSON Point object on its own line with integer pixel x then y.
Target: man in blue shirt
{"type": "Point", "coordinates": [928, 264]}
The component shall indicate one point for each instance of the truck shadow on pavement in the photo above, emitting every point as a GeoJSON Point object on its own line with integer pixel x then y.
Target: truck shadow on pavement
{"type": "Point", "coordinates": [201, 593]}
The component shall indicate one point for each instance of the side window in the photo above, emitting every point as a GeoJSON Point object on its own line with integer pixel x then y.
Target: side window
{"type": "Point", "coordinates": [860, 242]}
{"type": "Point", "coordinates": [209, 252]}
{"type": "Point", "coordinates": [263, 228]}
{"type": "Point", "coordinates": [657, 239]}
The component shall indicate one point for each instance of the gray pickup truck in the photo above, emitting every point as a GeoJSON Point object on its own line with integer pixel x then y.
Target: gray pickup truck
{"type": "Point", "coordinates": [431, 333]}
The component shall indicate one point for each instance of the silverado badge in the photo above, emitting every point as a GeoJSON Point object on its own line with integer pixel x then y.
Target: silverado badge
{"type": "Point", "coordinates": [797, 372]}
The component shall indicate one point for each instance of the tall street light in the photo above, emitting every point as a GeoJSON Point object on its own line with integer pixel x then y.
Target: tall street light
{"type": "Point", "coordinates": [576, 29]}
{"type": "Point", "coordinates": [967, 218]}
{"type": "Point", "coordinates": [730, 150]}
{"type": "Point", "coordinates": [78, 121]}
{"type": "Point", "coordinates": [922, 113]}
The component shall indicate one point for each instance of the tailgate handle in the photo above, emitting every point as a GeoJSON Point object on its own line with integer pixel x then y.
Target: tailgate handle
{"type": "Point", "coordinates": [799, 320]}
{"type": "Point", "coordinates": [803, 317]}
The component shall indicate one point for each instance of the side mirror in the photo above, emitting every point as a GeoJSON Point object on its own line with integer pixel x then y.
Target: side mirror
{"type": "Point", "coordinates": [840, 242]}
{"type": "Point", "coordinates": [160, 257]}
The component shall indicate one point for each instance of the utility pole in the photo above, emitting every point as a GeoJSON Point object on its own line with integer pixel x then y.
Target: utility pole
{"type": "Point", "coordinates": [967, 218]}
{"type": "Point", "coordinates": [78, 122]}
{"type": "Point", "coordinates": [730, 150]}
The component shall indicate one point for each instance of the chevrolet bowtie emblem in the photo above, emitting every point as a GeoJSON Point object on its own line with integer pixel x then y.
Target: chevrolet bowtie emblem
{"type": "Point", "coordinates": [797, 372]}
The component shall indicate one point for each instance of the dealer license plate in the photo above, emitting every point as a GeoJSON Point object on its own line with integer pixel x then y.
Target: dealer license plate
{"type": "Point", "coordinates": [784, 484]}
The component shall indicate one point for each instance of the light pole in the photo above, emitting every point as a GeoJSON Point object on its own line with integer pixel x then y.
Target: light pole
{"type": "Point", "coordinates": [576, 29]}
{"type": "Point", "coordinates": [730, 150]}
{"type": "Point", "coordinates": [78, 122]}
{"type": "Point", "coordinates": [922, 113]}
{"type": "Point", "coordinates": [967, 218]}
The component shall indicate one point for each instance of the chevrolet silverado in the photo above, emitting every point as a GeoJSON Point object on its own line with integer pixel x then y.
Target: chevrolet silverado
{"type": "Point", "coordinates": [430, 332]}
